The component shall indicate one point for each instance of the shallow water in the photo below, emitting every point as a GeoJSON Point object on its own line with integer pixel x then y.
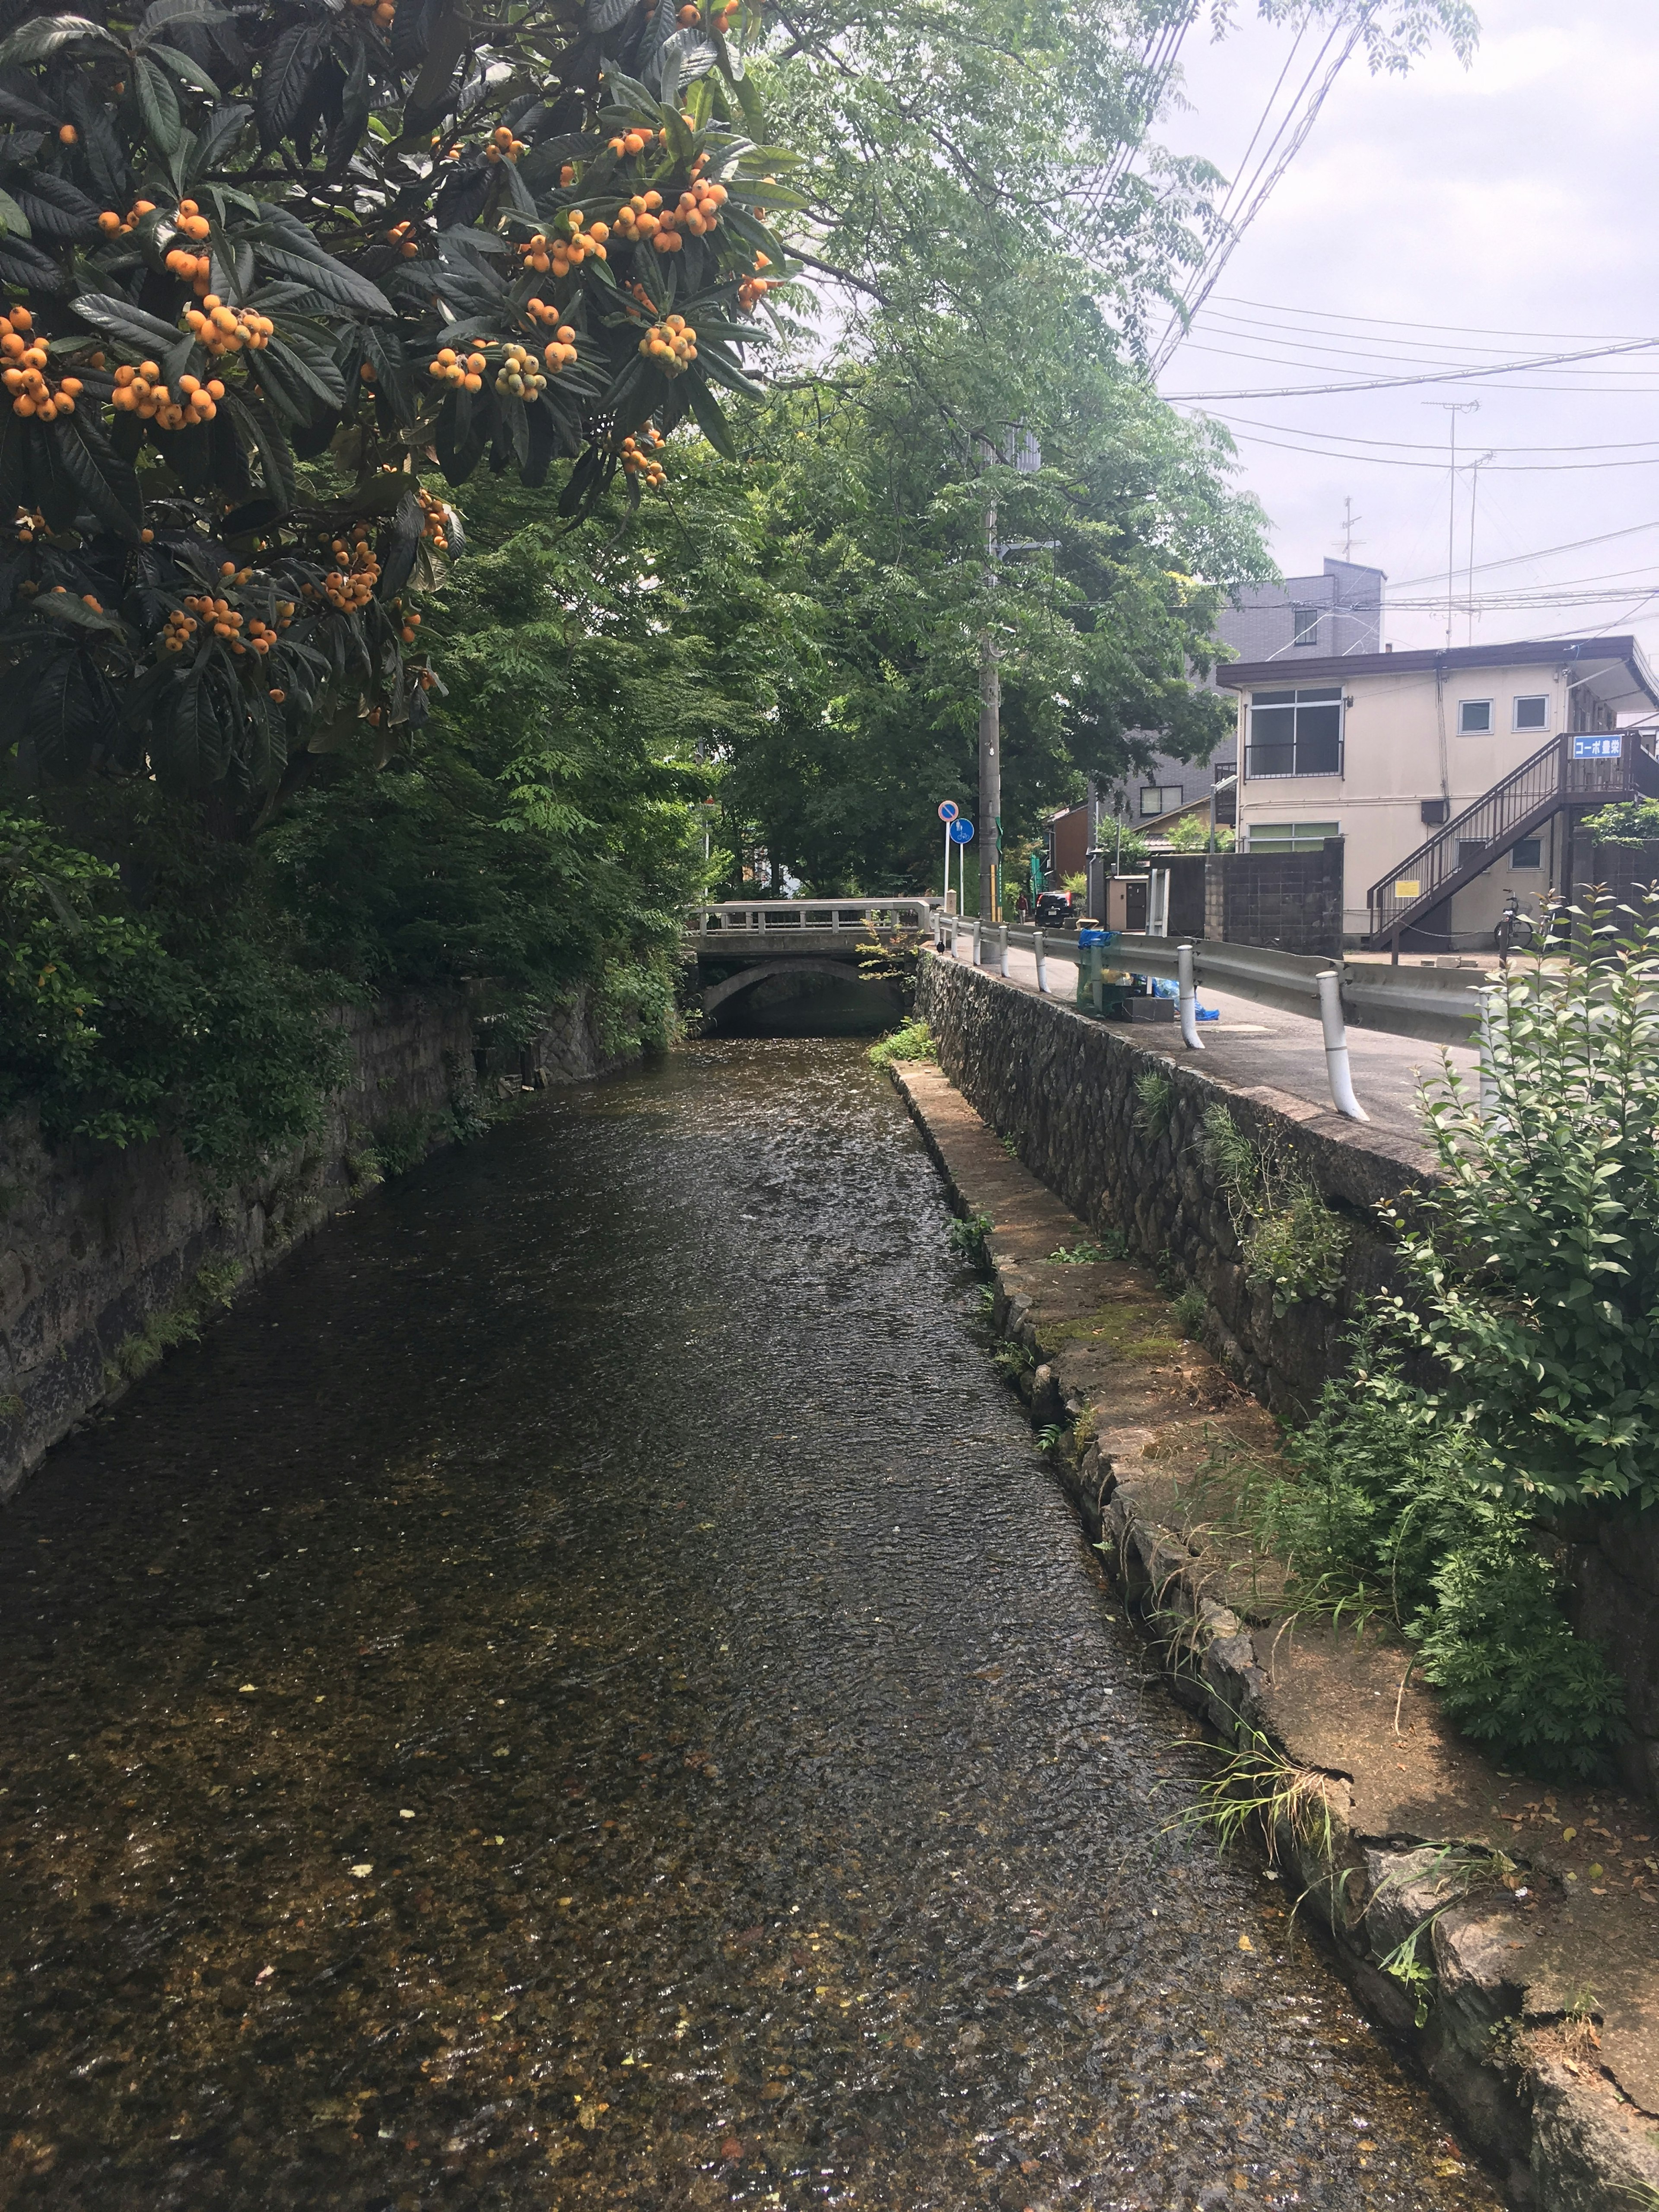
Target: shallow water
{"type": "Point", "coordinates": [582, 1692]}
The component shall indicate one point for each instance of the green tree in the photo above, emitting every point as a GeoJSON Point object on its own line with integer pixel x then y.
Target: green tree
{"type": "Point", "coordinates": [401, 236]}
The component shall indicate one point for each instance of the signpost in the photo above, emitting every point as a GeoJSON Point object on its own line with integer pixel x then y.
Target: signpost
{"type": "Point", "coordinates": [948, 811]}
{"type": "Point", "coordinates": [960, 834]}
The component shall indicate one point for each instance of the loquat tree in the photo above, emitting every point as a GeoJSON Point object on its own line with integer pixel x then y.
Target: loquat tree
{"type": "Point", "coordinates": [278, 275]}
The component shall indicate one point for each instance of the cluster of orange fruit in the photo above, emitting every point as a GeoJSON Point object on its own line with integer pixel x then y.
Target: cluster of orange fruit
{"type": "Point", "coordinates": [461, 371]}
{"type": "Point", "coordinates": [187, 265]}
{"type": "Point", "coordinates": [561, 254]}
{"type": "Point", "coordinates": [382, 12]}
{"type": "Point", "coordinates": [519, 376]}
{"type": "Point", "coordinates": [411, 623]}
{"type": "Point", "coordinates": [754, 289]}
{"type": "Point", "coordinates": [140, 391]}
{"type": "Point", "coordinates": [24, 375]}
{"type": "Point", "coordinates": [720, 19]}
{"type": "Point", "coordinates": [118, 226]}
{"type": "Point", "coordinates": [225, 329]}
{"type": "Point", "coordinates": [435, 520]}
{"type": "Point", "coordinates": [402, 235]}
{"type": "Point", "coordinates": [560, 350]}
{"type": "Point", "coordinates": [218, 618]}
{"type": "Point", "coordinates": [672, 343]}
{"type": "Point", "coordinates": [504, 146]}
{"type": "Point", "coordinates": [640, 460]}
{"type": "Point", "coordinates": [355, 574]}
{"type": "Point", "coordinates": [635, 142]}
{"type": "Point", "coordinates": [644, 216]}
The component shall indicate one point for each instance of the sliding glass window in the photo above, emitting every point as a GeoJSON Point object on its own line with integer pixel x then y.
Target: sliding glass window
{"type": "Point", "coordinates": [1295, 733]}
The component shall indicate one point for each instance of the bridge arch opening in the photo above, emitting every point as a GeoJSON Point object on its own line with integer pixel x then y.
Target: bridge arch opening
{"type": "Point", "coordinates": [799, 997]}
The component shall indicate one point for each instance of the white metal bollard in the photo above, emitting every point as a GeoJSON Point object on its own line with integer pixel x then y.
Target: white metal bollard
{"type": "Point", "coordinates": [1189, 1036]}
{"type": "Point", "coordinates": [979, 942]}
{"type": "Point", "coordinates": [1042, 964]}
{"type": "Point", "coordinates": [1336, 1046]}
{"type": "Point", "coordinates": [1002, 955]}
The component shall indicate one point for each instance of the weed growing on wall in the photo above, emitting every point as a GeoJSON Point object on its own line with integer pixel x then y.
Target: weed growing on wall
{"type": "Point", "coordinates": [967, 1236]}
{"type": "Point", "coordinates": [912, 1040]}
{"type": "Point", "coordinates": [1154, 1096]}
{"type": "Point", "coordinates": [1291, 1242]}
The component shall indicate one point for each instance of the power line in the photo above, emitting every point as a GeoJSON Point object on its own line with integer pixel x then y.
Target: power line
{"type": "Point", "coordinates": [1419, 446]}
{"type": "Point", "coordinates": [1545, 552]}
{"type": "Point", "coordinates": [1438, 376]}
{"type": "Point", "coordinates": [1397, 323]}
{"type": "Point", "coordinates": [1392, 461]}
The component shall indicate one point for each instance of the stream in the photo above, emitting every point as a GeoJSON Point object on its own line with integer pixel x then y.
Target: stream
{"type": "Point", "coordinates": [582, 1691]}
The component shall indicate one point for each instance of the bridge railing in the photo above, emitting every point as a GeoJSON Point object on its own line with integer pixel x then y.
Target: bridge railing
{"type": "Point", "coordinates": [777, 917]}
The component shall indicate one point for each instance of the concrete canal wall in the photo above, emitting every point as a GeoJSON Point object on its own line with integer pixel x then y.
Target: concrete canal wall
{"type": "Point", "coordinates": [107, 1256]}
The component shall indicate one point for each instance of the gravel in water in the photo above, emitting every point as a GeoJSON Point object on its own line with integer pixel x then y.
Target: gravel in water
{"type": "Point", "coordinates": [583, 1691]}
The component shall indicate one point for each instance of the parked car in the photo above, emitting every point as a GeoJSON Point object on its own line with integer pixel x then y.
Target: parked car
{"type": "Point", "coordinates": [1056, 910]}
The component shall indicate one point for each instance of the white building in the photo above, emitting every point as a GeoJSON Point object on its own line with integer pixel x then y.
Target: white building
{"type": "Point", "coordinates": [1452, 777]}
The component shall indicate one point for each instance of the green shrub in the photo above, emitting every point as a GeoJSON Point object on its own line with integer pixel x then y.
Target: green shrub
{"type": "Point", "coordinates": [1631, 822]}
{"type": "Point", "coordinates": [1383, 1510]}
{"type": "Point", "coordinates": [912, 1040]}
{"type": "Point", "coordinates": [1191, 1309]}
{"type": "Point", "coordinates": [1532, 1262]}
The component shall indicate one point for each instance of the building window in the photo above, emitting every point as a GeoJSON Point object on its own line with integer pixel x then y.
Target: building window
{"type": "Point", "coordinates": [1533, 713]}
{"type": "Point", "coordinates": [1290, 836]}
{"type": "Point", "coordinates": [1473, 717]}
{"type": "Point", "coordinates": [1295, 733]}
{"type": "Point", "coordinates": [1527, 853]}
{"type": "Point", "coordinates": [1159, 799]}
{"type": "Point", "coordinates": [1469, 850]}
{"type": "Point", "coordinates": [1306, 620]}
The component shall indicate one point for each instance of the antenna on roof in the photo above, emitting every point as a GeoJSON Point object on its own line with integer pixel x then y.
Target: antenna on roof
{"type": "Point", "coordinates": [1349, 518]}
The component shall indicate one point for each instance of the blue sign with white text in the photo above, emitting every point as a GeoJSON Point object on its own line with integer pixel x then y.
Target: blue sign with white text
{"type": "Point", "coordinates": [1607, 748]}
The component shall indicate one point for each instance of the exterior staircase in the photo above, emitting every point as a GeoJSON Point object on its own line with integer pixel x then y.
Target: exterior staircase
{"type": "Point", "coordinates": [1577, 772]}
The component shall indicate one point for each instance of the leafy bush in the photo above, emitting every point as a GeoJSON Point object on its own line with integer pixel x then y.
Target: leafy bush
{"type": "Point", "coordinates": [1384, 1509]}
{"type": "Point", "coordinates": [1291, 1242]}
{"type": "Point", "coordinates": [1532, 1262]}
{"type": "Point", "coordinates": [967, 1236]}
{"type": "Point", "coordinates": [1629, 822]}
{"type": "Point", "coordinates": [1192, 835]}
{"type": "Point", "coordinates": [912, 1040]}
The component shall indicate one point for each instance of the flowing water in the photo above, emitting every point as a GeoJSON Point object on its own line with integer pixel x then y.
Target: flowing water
{"type": "Point", "coordinates": [582, 1692]}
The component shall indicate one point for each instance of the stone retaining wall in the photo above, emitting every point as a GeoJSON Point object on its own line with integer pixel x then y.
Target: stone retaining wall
{"type": "Point", "coordinates": [1062, 1086]}
{"type": "Point", "coordinates": [102, 1252]}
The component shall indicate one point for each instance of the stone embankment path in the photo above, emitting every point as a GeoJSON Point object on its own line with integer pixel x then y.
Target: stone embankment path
{"type": "Point", "coordinates": [1536, 1910]}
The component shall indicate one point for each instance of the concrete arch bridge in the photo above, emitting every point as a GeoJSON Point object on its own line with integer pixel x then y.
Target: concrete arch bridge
{"type": "Point", "coordinates": [746, 942]}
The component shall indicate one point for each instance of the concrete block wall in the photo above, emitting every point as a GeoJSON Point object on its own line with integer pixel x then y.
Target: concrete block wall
{"type": "Point", "coordinates": [1291, 902]}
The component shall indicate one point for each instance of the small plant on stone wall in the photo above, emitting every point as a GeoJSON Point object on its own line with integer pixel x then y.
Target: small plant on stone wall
{"type": "Point", "coordinates": [1190, 1308]}
{"type": "Point", "coordinates": [1256, 1790]}
{"type": "Point", "coordinates": [967, 1233]}
{"type": "Point", "coordinates": [1291, 1242]}
{"type": "Point", "coordinates": [1155, 1101]}
{"type": "Point", "coordinates": [1082, 1255]}
{"type": "Point", "coordinates": [912, 1040]}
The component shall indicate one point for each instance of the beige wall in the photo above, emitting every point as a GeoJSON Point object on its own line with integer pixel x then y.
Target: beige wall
{"type": "Point", "coordinates": [1400, 746]}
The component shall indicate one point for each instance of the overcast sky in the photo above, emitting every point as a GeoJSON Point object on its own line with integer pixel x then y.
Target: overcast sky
{"type": "Point", "coordinates": [1513, 205]}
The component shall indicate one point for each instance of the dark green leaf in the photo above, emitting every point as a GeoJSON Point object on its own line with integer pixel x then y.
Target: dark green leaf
{"type": "Point", "coordinates": [286, 77]}
{"type": "Point", "coordinates": [158, 104]}
{"type": "Point", "coordinates": [710, 419]}
{"type": "Point", "coordinates": [13, 223]}
{"type": "Point", "coordinates": [38, 41]}
{"type": "Point", "coordinates": [189, 74]}
{"type": "Point", "coordinates": [323, 273]}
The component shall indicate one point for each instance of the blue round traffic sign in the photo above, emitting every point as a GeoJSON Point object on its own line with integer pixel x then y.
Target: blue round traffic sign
{"type": "Point", "coordinates": [948, 810]}
{"type": "Point", "coordinates": [960, 831]}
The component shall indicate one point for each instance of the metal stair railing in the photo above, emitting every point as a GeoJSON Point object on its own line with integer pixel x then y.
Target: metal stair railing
{"type": "Point", "coordinates": [1536, 783]}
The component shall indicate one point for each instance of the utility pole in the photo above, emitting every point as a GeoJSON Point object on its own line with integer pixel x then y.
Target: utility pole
{"type": "Point", "coordinates": [1475, 493]}
{"type": "Point", "coordinates": [1453, 408]}
{"type": "Point", "coordinates": [990, 746]}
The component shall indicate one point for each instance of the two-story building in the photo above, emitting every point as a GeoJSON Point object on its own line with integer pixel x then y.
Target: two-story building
{"type": "Point", "coordinates": [1453, 778]}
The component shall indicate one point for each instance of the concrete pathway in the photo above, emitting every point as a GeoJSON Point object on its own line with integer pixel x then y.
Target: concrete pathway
{"type": "Point", "coordinates": [1254, 1045]}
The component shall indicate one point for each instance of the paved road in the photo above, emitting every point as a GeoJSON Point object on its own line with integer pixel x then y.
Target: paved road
{"type": "Point", "coordinates": [1253, 1044]}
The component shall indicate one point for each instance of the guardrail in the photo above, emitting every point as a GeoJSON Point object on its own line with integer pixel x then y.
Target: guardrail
{"type": "Point", "coordinates": [777, 916]}
{"type": "Point", "coordinates": [1421, 1002]}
